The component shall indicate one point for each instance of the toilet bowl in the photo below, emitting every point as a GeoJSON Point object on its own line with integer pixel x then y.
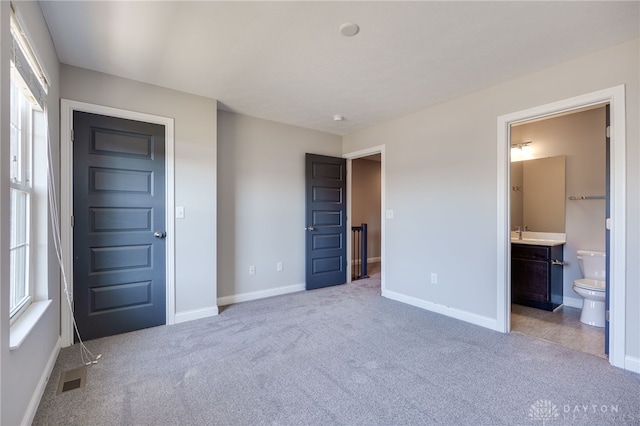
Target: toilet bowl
{"type": "Point", "coordinates": [591, 287]}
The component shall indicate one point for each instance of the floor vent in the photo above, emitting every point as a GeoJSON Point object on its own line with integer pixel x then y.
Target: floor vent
{"type": "Point", "coordinates": [72, 379]}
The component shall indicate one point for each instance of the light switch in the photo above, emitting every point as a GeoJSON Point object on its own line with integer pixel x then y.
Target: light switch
{"type": "Point", "coordinates": [180, 212]}
{"type": "Point", "coordinates": [389, 214]}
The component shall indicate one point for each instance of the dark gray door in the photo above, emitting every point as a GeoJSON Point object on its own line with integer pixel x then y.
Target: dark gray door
{"type": "Point", "coordinates": [118, 206]}
{"type": "Point", "coordinates": [326, 208]}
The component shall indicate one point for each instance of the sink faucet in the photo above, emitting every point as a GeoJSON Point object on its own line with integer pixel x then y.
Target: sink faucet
{"type": "Point", "coordinates": [519, 231]}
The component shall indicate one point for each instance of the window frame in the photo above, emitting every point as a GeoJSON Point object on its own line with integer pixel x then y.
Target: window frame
{"type": "Point", "coordinates": [23, 182]}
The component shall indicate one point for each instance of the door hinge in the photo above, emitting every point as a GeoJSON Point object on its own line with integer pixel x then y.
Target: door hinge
{"type": "Point", "coordinates": [73, 135]}
{"type": "Point", "coordinates": [608, 131]}
{"type": "Point", "coordinates": [606, 315]}
{"type": "Point", "coordinates": [72, 221]}
{"type": "Point", "coordinates": [607, 223]}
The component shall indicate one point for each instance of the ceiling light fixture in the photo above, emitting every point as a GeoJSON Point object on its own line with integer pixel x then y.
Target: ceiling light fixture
{"type": "Point", "coordinates": [338, 117]}
{"type": "Point", "coordinates": [349, 29]}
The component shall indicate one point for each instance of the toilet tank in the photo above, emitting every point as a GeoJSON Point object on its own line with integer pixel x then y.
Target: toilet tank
{"type": "Point", "coordinates": [592, 264]}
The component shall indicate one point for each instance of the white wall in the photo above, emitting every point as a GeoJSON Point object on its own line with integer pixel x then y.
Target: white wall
{"type": "Point", "coordinates": [24, 370]}
{"type": "Point", "coordinates": [581, 138]}
{"type": "Point", "coordinates": [441, 182]}
{"type": "Point", "coordinates": [261, 207]}
{"type": "Point", "coordinates": [195, 171]}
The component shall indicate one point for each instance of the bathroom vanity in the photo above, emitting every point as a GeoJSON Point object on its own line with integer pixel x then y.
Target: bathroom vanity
{"type": "Point", "coordinates": [536, 273]}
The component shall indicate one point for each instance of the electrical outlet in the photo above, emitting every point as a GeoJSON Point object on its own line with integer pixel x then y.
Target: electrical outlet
{"type": "Point", "coordinates": [279, 267]}
{"type": "Point", "coordinates": [252, 270]}
{"type": "Point", "coordinates": [434, 278]}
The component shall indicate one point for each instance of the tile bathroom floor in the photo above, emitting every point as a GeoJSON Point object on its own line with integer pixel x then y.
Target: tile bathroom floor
{"type": "Point", "coordinates": [562, 327]}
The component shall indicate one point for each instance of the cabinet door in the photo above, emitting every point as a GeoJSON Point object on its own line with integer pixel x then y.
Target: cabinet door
{"type": "Point", "coordinates": [530, 280]}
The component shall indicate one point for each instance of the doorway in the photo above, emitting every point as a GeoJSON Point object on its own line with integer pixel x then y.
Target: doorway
{"type": "Point", "coordinates": [366, 216]}
{"type": "Point", "coordinates": [67, 110]}
{"type": "Point", "coordinates": [558, 185]}
{"type": "Point", "coordinates": [615, 97]}
{"type": "Point", "coordinates": [369, 165]}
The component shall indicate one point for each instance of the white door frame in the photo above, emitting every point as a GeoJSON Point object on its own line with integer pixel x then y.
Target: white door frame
{"type": "Point", "coordinates": [67, 107]}
{"type": "Point", "coordinates": [615, 96]}
{"type": "Point", "coordinates": [350, 157]}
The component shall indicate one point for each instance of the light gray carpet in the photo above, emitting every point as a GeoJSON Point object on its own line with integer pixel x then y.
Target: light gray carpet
{"type": "Point", "coordinates": [341, 355]}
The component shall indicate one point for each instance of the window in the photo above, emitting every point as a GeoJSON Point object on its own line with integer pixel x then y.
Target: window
{"type": "Point", "coordinates": [26, 140]}
{"type": "Point", "coordinates": [21, 147]}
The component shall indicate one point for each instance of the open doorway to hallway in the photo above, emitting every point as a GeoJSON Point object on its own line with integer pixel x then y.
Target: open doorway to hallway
{"type": "Point", "coordinates": [374, 159]}
{"type": "Point", "coordinates": [366, 209]}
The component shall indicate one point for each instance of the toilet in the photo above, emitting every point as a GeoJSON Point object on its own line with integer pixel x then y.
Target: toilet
{"type": "Point", "coordinates": [591, 287]}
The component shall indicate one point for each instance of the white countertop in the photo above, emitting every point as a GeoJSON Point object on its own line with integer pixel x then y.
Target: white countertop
{"type": "Point", "coordinates": [539, 238]}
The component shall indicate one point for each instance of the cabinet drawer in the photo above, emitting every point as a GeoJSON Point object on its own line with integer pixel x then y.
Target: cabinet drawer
{"type": "Point", "coordinates": [522, 251]}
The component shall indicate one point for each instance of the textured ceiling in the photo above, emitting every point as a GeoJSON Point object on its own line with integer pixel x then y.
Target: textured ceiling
{"type": "Point", "coordinates": [286, 61]}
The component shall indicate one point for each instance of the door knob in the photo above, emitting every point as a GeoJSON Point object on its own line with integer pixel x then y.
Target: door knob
{"type": "Point", "coordinates": [159, 234]}
{"type": "Point", "coordinates": [309, 228]}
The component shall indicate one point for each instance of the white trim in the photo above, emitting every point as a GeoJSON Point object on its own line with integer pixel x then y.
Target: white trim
{"type": "Point", "coordinates": [21, 328]}
{"type": "Point", "coordinates": [196, 314]}
{"type": "Point", "coordinates": [67, 107]}
{"type": "Point", "coordinates": [34, 402]}
{"type": "Point", "coordinates": [615, 96]}
{"type": "Point", "coordinates": [380, 149]}
{"type": "Point", "coordinates": [632, 364]}
{"type": "Point", "coordinates": [442, 309]}
{"type": "Point", "coordinates": [255, 295]}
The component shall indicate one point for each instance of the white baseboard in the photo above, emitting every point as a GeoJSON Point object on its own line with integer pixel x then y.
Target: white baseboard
{"type": "Point", "coordinates": [632, 363]}
{"type": "Point", "coordinates": [195, 314]}
{"type": "Point", "coordinates": [254, 295]}
{"type": "Point", "coordinates": [572, 302]}
{"type": "Point", "coordinates": [42, 384]}
{"type": "Point", "coordinates": [480, 320]}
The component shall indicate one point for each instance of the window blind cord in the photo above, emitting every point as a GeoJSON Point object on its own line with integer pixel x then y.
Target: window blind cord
{"type": "Point", "coordinates": [86, 355]}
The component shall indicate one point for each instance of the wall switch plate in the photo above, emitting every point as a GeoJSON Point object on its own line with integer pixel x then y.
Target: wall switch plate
{"type": "Point", "coordinates": [252, 270]}
{"type": "Point", "coordinates": [279, 266]}
{"type": "Point", "coordinates": [434, 278]}
{"type": "Point", "coordinates": [388, 214]}
{"type": "Point", "coordinates": [179, 212]}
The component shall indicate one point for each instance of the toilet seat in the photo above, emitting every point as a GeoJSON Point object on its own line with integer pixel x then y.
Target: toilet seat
{"type": "Point", "coordinates": [591, 285]}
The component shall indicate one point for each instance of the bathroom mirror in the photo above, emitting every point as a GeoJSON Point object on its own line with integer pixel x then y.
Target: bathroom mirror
{"type": "Point", "coordinates": [538, 194]}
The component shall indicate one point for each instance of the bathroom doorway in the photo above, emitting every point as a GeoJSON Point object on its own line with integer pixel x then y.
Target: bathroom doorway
{"type": "Point", "coordinates": [617, 258]}
{"type": "Point", "coordinates": [558, 185]}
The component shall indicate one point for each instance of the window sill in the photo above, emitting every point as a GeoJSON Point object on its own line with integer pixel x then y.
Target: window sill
{"type": "Point", "coordinates": [27, 321]}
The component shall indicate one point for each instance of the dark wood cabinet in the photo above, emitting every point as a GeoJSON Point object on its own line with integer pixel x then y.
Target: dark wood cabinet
{"type": "Point", "coordinates": [536, 275]}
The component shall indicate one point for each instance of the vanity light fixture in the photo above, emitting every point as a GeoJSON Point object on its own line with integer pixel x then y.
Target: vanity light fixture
{"type": "Point", "coordinates": [338, 117]}
{"type": "Point", "coordinates": [521, 151]}
{"type": "Point", "coordinates": [521, 145]}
